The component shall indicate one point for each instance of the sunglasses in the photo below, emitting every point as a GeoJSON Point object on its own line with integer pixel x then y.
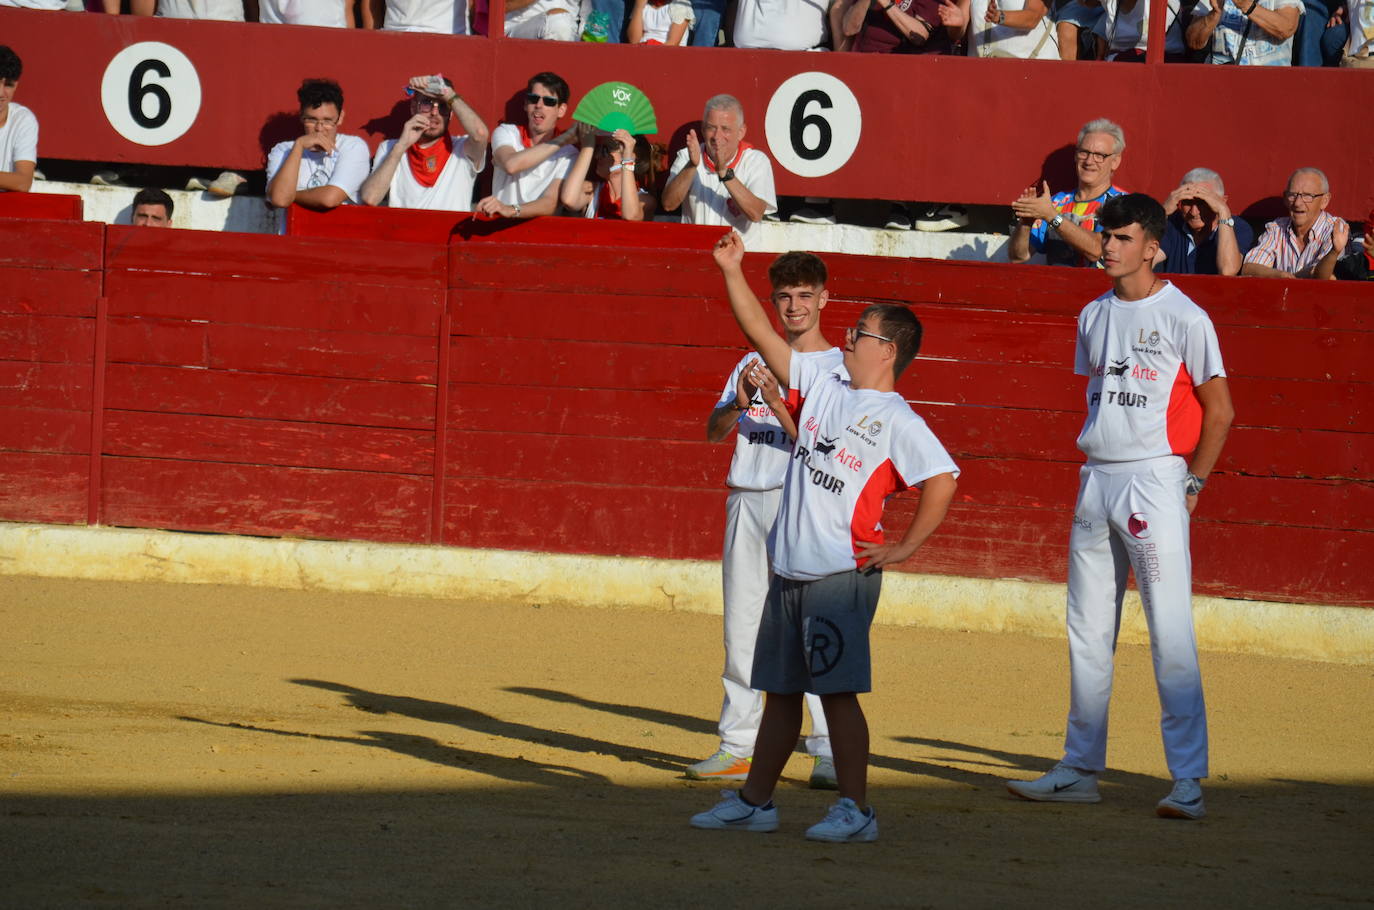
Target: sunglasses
{"type": "Point", "coordinates": [535, 98]}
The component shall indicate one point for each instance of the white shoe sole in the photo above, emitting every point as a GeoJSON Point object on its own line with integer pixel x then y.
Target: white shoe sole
{"type": "Point", "coordinates": [1063, 796]}
{"type": "Point", "coordinates": [1173, 810]}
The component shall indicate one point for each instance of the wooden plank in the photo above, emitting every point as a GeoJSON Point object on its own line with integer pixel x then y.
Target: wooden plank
{"type": "Point", "coordinates": [48, 291]}
{"type": "Point", "coordinates": [259, 349]}
{"type": "Point", "coordinates": [51, 339]}
{"type": "Point", "coordinates": [37, 244]}
{"type": "Point", "coordinates": [61, 386]}
{"type": "Point", "coordinates": [269, 396]}
{"type": "Point", "coordinates": [40, 205]}
{"type": "Point", "coordinates": [1308, 404]}
{"type": "Point", "coordinates": [557, 459]}
{"type": "Point", "coordinates": [43, 486]}
{"type": "Point", "coordinates": [1295, 452]}
{"type": "Point", "coordinates": [195, 437]}
{"type": "Point", "coordinates": [1284, 353]}
{"type": "Point", "coordinates": [643, 414]}
{"type": "Point", "coordinates": [275, 501]}
{"type": "Point", "coordinates": [44, 430]}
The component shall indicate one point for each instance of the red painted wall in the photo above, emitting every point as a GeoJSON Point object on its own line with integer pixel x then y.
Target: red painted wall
{"type": "Point", "coordinates": [936, 129]}
{"type": "Point", "coordinates": [545, 386]}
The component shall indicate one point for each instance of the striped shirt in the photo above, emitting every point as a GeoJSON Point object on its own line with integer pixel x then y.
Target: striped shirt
{"type": "Point", "coordinates": [1279, 248]}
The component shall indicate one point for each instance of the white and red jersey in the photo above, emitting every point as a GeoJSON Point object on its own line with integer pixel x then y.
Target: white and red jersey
{"type": "Point", "coordinates": [855, 447]}
{"type": "Point", "coordinates": [761, 446]}
{"type": "Point", "coordinates": [1143, 359]}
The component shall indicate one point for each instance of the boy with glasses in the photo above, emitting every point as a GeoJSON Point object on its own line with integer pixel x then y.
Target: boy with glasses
{"type": "Point", "coordinates": [857, 443]}
{"type": "Point", "coordinates": [531, 159]}
{"type": "Point", "coordinates": [321, 169]}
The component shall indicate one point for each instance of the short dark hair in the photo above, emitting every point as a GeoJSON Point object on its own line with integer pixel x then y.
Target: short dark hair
{"type": "Point", "coordinates": [1133, 208]}
{"type": "Point", "coordinates": [553, 82]}
{"type": "Point", "coordinates": [898, 323]}
{"type": "Point", "coordinates": [11, 67]}
{"type": "Point", "coordinates": [314, 92]}
{"type": "Point", "coordinates": [798, 269]}
{"type": "Point", "coordinates": [151, 195]}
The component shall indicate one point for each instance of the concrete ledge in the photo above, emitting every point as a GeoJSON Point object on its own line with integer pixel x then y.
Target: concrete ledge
{"type": "Point", "coordinates": [1314, 632]}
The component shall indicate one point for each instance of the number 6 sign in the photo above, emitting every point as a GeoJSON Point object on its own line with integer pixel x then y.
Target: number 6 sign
{"type": "Point", "coordinates": [151, 93]}
{"type": "Point", "coordinates": [813, 124]}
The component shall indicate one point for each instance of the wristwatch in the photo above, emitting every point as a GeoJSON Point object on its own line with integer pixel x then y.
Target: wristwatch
{"type": "Point", "coordinates": [1057, 220]}
{"type": "Point", "coordinates": [1227, 222]}
{"type": "Point", "coordinates": [1193, 485]}
{"type": "Point", "coordinates": [1001, 17]}
{"type": "Point", "coordinates": [728, 175]}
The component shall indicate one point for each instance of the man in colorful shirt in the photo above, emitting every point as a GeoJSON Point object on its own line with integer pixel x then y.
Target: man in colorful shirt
{"type": "Point", "coordinates": [1063, 226]}
{"type": "Point", "coordinates": [1307, 243]}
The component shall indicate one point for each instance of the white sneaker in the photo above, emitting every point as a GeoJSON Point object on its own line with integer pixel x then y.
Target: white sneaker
{"type": "Point", "coordinates": [814, 211]}
{"type": "Point", "coordinates": [721, 766]}
{"type": "Point", "coordinates": [846, 823]}
{"type": "Point", "coordinates": [942, 218]}
{"type": "Point", "coordinates": [1184, 801]}
{"type": "Point", "coordinates": [1063, 784]}
{"type": "Point", "coordinates": [733, 812]}
{"type": "Point", "coordinates": [823, 773]}
{"type": "Point", "coordinates": [898, 218]}
{"type": "Point", "coordinates": [226, 184]}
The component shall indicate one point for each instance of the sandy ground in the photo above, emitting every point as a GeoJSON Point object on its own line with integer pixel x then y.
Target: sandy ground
{"type": "Point", "coordinates": [219, 746]}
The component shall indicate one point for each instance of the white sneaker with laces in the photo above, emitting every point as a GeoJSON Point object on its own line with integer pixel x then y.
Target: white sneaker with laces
{"type": "Point", "coordinates": [734, 812]}
{"type": "Point", "coordinates": [1184, 801]}
{"type": "Point", "coordinates": [942, 218]}
{"type": "Point", "coordinates": [846, 823]}
{"type": "Point", "coordinates": [823, 773]}
{"type": "Point", "coordinates": [720, 766]}
{"type": "Point", "coordinates": [1063, 784]}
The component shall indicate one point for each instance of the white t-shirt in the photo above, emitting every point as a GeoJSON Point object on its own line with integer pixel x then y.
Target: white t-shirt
{"type": "Point", "coordinates": [346, 167]}
{"type": "Point", "coordinates": [987, 39]}
{"type": "Point", "coordinates": [443, 17]}
{"type": "Point", "coordinates": [659, 19]}
{"type": "Point", "coordinates": [1143, 359]}
{"type": "Point", "coordinates": [855, 447]}
{"type": "Point", "coordinates": [761, 446]}
{"type": "Point", "coordinates": [787, 25]}
{"type": "Point", "coordinates": [708, 200]}
{"type": "Point", "coordinates": [54, 5]}
{"type": "Point", "coordinates": [528, 185]}
{"type": "Point", "coordinates": [224, 10]}
{"type": "Point", "coordinates": [452, 192]}
{"type": "Point", "coordinates": [1128, 30]}
{"type": "Point", "coordinates": [328, 13]}
{"type": "Point", "coordinates": [1361, 18]}
{"type": "Point", "coordinates": [18, 137]}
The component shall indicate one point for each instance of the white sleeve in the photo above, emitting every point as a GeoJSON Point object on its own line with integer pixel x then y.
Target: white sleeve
{"type": "Point", "coordinates": [679, 163]}
{"type": "Point", "coordinates": [1201, 351]}
{"type": "Point", "coordinates": [758, 179]}
{"type": "Point", "coordinates": [460, 148]}
{"type": "Point", "coordinates": [383, 150]}
{"type": "Point", "coordinates": [1081, 364]}
{"type": "Point", "coordinates": [507, 135]}
{"type": "Point", "coordinates": [918, 455]}
{"type": "Point", "coordinates": [681, 11]}
{"type": "Point", "coordinates": [351, 170]}
{"type": "Point", "coordinates": [804, 373]}
{"type": "Point", "coordinates": [25, 146]}
{"type": "Point", "coordinates": [276, 157]}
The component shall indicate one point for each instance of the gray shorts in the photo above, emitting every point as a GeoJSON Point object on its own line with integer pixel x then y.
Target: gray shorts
{"type": "Point", "coordinates": [814, 635]}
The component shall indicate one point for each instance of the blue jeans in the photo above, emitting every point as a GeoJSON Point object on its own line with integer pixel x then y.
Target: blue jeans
{"type": "Point", "coordinates": [1315, 44]}
{"type": "Point", "coordinates": [707, 25]}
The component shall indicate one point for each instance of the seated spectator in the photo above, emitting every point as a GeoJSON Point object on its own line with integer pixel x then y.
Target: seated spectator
{"type": "Point", "coordinates": [1012, 28]}
{"type": "Point", "coordinates": [18, 129]}
{"type": "Point", "coordinates": [720, 179]}
{"type": "Point", "coordinates": [53, 5]}
{"type": "Point", "coordinates": [1122, 32]}
{"type": "Point", "coordinates": [1306, 243]}
{"type": "Point", "coordinates": [549, 20]}
{"type": "Point", "coordinates": [530, 159]}
{"type": "Point", "coordinates": [615, 191]}
{"type": "Point", "coordinates": [321, 169]}
{"type": "Point", "coordinates": [152, 208]}
{"type": "Point", "coordinates": [324, 13]}
{"type": "Point", "coordinates": [786, 25]}
{"type": "Point", "coordinates": [223, 10]}
{"type": "Point", "coordinates": [1201, 236]}
{"type": "Point", "coordinates": [1358, 263]}
{"type": "Point", "coordinates": [898, 26]}
{"type": "Point", "coordinates": [1359, 50]}
{"type": "Point", "coordinates": [426, 167]}
{"type": "Point", "coordinates": [438, 17]}
{"type": "Point", "coordinates": [660, 22]}
{"type": "Point", "coordinates": [1074, 23]}
{"type": "Point", "coordinates": [1071, 215]}
{"type": "Point", "coordinates": [1322, 33]}
{"type": "Point", "coordinates": [1255, 33]}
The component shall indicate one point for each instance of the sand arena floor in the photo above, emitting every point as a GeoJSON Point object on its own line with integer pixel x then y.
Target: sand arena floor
{"type": "Point", "coordinates": [207, 746]}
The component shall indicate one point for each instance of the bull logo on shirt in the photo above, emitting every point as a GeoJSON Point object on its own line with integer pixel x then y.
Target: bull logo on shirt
{"type": "Point", "coordinates": [826, 445]}
{"type": "Point", "coordinates": [1118, 367]}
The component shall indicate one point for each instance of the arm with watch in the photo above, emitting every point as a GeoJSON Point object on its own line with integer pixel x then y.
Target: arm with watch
{"type": "Point", "coordinates": [1034, 206]}
{"type": "Point", "coordinates": [752, 206]}
{"type": "Point", "coordinates": [1025, 19]}
{"type": "Point", "coordinates": [1217, 414]}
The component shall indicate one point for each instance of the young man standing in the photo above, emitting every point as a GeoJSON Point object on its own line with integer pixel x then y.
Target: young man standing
{"type": "Point", "coordinates": [857, 443]}
{"type": "Point", "coordinates": [18, 129]}
{"type": "Point", "coordinates": [762, 447]}
{"type": "Point", "coordinates": [530, 159]}
{"type": "Point", "coordinates": [1156, 395]}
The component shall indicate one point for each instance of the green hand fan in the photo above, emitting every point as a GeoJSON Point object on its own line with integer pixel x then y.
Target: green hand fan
{"type": "Point", "coordinates": [613, 106]}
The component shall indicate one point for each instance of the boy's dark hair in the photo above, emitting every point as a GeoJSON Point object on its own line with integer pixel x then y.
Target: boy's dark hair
{"type": "Point", "coordinates": [151, 195]}
{"type": "Point", "coordinates": [1133, 208]}
{"type": "Point", "coordinates": [314, 92]}
{"type": "Point", "coordinates": [551, 81]}
{"type": "Point", "coordinates": [901, 325]}
{"type": "Point", "coordinates": [798, 269]}
{"type": "Point", "coordinates": [11, 67]}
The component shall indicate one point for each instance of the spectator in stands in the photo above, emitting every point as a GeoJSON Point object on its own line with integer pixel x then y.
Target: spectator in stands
{"type": "Point", "coordinates": [1322, 33]}
{"type": "Point", "coordinates": [551, 20]}
{"type": "Point", "coordinates": [1201, 236]}
{"type": "Point", "coordinates": [720, 179]}
{"type": "Point", "coordinates": [1306, 243]}
{"type": "Point", "coordinates": [660, 22]}
{"type": "Point", "coordinates": [1011, 28]}
{"type": "Point", "coordinates": [1071, 215]}
{"type": "Point", "coordinates": [531, 159]}
{"type": "Point", "coordinates": [1253, 33]}
{"type": "Point", "coordinates": [53, 5]}
{"type": "Point", "coordinates": [224, 10]}
{"type": "Point", "coordinates": [786, 25]}
{"type": "Point", "coordinates": [321, 169]}
{"type": "Point", "coordinates": [426, 167]}
{"type": "Point", "coordinates": [1358, 263]}
{"type": "Point", "coordinates": [18, 129]}
{"type": "Point", "coordinates": [1074, 23]}
{"type": "Point", "coordinates": [898, 26]}
{"type": "Point", "coordinates": [152, 208]}
{"type": "Point", "coordinates": [324, 13]}
{"type": "Point", "coordinates": [615, 191]}
{"type": "Point", "coordinates": [1359, 50]}
{"type": "Point", "coordinates": [438, 17]}
{"type": "Point", "coordinates": [1122, 31]}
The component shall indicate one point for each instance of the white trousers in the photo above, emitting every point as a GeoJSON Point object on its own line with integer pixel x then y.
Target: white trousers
{"type": "Point", "coordinates": [749, 516]}
{"type": "Point", "coordinates": [1132, 515]}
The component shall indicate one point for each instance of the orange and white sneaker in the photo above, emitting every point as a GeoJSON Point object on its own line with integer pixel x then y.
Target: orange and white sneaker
{"type": "Point", "coordinates": [721, 766]}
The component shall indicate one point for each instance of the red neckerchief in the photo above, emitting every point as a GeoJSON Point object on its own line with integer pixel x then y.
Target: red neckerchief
{"type": "Point", "coordinates": [743, 147]}
{"type": "Point", "coordinates": [528, 142]}
{"type": "Point", "coordinates": [427, 164]}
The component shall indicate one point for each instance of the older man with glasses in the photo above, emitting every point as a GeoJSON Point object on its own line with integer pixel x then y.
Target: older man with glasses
{"type": "Point", "coordinates": [1071, 216]}
{"type": "Point", "coordinates": [531, 159]}
{"type": "Point", "coordinates": [1308, 242]}
{"type": "Point", "coordinates": [322, 168]}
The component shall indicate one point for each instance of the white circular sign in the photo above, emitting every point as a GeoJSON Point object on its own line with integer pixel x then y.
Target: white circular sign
{"type": "Point", "coordinates": [151, 93]}
{"type": "Point", "coordinates": [813, 124]}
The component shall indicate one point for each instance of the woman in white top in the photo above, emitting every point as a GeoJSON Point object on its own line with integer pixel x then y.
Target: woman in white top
{"type": "Point", "coordinates": [660, 22]}
{"type": "Point", "coordinates": [1012, 28]}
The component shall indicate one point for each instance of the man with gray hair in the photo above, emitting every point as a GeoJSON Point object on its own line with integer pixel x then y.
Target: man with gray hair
{"type": "Point", "coordinates": [718, 178]}
{"type": "Point", "coordinates": [1070, 215]}
{"type": "Point", "coordinates": [1202, 236]}
{"type": "Point", "coordinates": [1306, 243]}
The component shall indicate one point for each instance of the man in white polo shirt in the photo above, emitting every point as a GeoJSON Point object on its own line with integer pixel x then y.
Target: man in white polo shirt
{"type": "Point", "coordinates": [426, 167]}
{"type": "Point", "coordinates": [720, 179]}
{"type": "Point", "coordinates": [18, 129]}
{"type": "Point", "coordinates": [530, 159]}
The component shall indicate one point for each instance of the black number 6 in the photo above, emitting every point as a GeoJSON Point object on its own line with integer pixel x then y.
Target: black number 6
{"type": "Point", "coordinates": [801, 120]}
{"type": "Point", "coordinates": [138, 91]}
